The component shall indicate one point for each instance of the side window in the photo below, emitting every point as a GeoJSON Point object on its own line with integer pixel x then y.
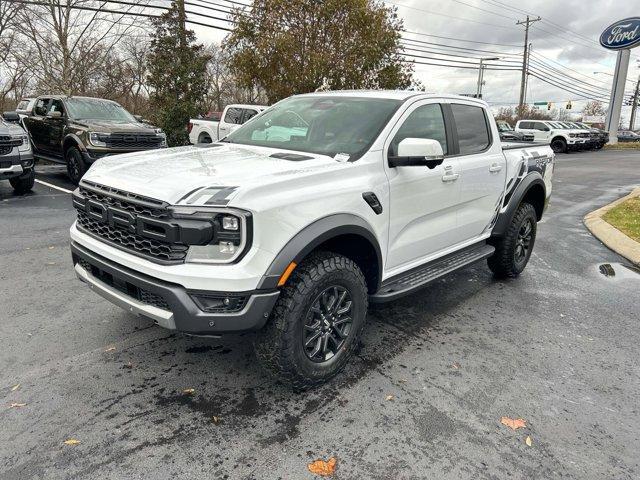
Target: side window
{"type": "Point", "coordinates": [426, 122]}
{"type": "Point", "coordinates": [233, 115]}
{"type": "Point", "coordinates": [40, 107]}
{"type": "Point", "coordinates": [473, 131]}
{"type": "Point", "coordinates": [248, 115]}
{"type": "Point", "coordinates": [541, 126]}
{"type": "Point", "coordinates": [526, 125]}
{"type": "Point", "coordinates": [56, 106]}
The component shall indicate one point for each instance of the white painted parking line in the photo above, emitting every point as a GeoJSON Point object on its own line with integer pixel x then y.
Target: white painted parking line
{"type": "Point", "coordinates": [53, 186]}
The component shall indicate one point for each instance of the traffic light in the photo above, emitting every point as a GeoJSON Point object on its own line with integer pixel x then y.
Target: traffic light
{"type": "Point", "coordinates": [549, 106]}
{"type": "Point", "coordinates": [569, 105]}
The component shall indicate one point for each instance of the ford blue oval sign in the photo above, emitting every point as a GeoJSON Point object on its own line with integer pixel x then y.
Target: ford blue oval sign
{"type": "Point", "coordinates": [621, 35]}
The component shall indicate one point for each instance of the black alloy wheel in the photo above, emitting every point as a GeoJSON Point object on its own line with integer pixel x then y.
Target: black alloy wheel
{"type": "Point", "coordinates": [328, 323]}
{"type": "Point", "coordinates": [523, 242]}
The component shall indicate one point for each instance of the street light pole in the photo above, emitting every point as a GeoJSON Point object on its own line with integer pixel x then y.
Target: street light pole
{"type": "Point", "coordinates": [481, 74]}
{"type": "Point", "coordinates": [634, 105]}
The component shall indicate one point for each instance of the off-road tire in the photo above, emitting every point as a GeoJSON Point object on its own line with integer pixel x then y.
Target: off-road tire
{"type": "Point", "coordinates": [503, 262]}
{"type": "Point", "coordinates": [23, 184]}
{"type": "Point", "coordinates": [279, 345]}
{"type": "Point", "coordinates": [559, 145]}
{"type": "Point", "coordinates": [76, 167]}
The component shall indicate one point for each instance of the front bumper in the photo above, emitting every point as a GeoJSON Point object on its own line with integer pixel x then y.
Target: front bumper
{"type": "Point", "coordinates": [15, 164]}
{"type": "Point", "coordinates": [90, 155]}
{"type": "Point", "coordinates": [170, 305]}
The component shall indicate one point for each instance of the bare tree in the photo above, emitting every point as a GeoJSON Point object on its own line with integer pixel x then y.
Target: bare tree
{"type": "Point", "coordinates": [74, 41]}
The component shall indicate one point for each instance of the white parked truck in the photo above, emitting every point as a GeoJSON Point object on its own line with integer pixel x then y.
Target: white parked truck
{"type": "Point", "coordinates": [203, 130]}
{"type": "Point", "coordinates": [299, 219]}
{"type": "Point", "coordinates": [561, 138]}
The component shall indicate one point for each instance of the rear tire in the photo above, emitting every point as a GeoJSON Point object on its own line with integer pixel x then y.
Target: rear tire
{"type": "Point", "coordinates": [23, 184]}
{"type": "Point", "coordinates": [76, 167]}
{"type": "Point", "coordinates": [316, 323]}
{"type": "Point", "coordinates": [513, 250]}
{"type": "Point", "coordinates": [204, 138]}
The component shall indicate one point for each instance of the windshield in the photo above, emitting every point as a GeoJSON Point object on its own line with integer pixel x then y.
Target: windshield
{"type": "Point", "coordinates": [504, 127]}
{"type": "Point", "coordinates": [96, 109]}
{"type": "Point", "coordinates": [325, 125]}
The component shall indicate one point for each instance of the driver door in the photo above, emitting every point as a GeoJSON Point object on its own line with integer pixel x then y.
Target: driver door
{"type": "Point", "coordinates": [423, 201]}
{"type": "Point", "coordinates": [54, 127]}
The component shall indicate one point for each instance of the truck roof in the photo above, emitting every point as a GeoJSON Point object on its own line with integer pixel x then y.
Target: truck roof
{"type": "Point", "coordinates": [394, 94]}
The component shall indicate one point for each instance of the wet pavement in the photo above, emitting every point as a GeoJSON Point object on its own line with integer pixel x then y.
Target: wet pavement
{"type": "Point", "coordinates": [423, 397]}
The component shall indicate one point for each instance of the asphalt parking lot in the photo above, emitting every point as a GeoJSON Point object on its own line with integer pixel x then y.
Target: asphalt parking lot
{"type": "Point", "coordinates": [423, 398]}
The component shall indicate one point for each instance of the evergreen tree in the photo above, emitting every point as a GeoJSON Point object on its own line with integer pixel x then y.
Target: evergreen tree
{"type": "Point", "coordinates": [177, 75]}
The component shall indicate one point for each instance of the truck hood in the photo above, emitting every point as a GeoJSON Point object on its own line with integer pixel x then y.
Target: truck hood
{"type": "Point", "coordinates": [213, 175]}
{"type": "Point", "coordinates": [106, 126]}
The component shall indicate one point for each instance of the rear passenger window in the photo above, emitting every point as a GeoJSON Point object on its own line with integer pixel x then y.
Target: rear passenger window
{"type": "Point", "coordinates": [424, 122]}
{"type": "Point", "coordinates": [526, 125]}
{"type": "Point", "coordinates": [233, 115]}
{"type": "Point", "coordinates": [473, 131]}
{"type": "Point", "coordinates": [248, 115]}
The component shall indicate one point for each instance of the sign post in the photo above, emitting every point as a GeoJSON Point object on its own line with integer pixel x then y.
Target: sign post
{"type": "Point", "coordinates": [622, 36]}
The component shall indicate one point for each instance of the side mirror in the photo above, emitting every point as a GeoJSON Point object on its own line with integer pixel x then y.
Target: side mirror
{"type": "Point", "coordinates": [54, 114]}
{"type": "Point", "coordinates": [418, 152]}
{"type": "Point", "coordinates": [138, 118]}
{"type": "Point", "coordinates": [11, 116]}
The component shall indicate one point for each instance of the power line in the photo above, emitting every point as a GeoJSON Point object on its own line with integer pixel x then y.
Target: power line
{"type": "Point", "coordinates": [447, 16]}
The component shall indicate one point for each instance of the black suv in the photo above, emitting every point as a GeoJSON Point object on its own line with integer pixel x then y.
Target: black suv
{"type": "Point", "coordinates": [79, 130]}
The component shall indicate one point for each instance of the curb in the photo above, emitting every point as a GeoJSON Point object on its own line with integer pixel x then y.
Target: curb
{"type": "Point", "coordinates": [611, 236]}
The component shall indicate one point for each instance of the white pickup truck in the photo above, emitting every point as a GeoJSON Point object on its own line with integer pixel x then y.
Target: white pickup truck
{"type": "Point", "coordinates": [204, 130]}
{"type": "Point", "coordinates": [562, 138]}
{"type": "Point", "coordinates": [299, 219]}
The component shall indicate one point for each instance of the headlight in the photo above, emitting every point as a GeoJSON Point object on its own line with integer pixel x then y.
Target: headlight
{"type": "Point", "coordinates": [163, 136]}
{"type": "Point", "coordinates": [572, 135]}
{"type": "Point", "coordinates": [24, 145]}
{"type": "Point", "coordinates": [98, 139]}
{"type": "Point", "coordinates": [230, 232]}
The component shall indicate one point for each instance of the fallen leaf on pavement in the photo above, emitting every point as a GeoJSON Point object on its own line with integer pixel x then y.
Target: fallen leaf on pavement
{"type": "Point", "coordinates": [513, 423]}
{"type": "Point", "coordinates": [188, 391]}
{"type": "Point", "coordinates": [389, 397]}
{"type": "Point", "coordinates": [71, 441]}
{"type": "Point", "coordinates": [528, 441]}
{"type": "Point", "coordinates": [51, 247]}
{"type": "Point", "coordinates": [15, 387]}
{"type": "Point", "coordinates": [17, 405]}
{"type": "Point", "coordinates": [128, 365]}
{"type": "Point", "coordinates": [215, 419]}
{"type": "Point", "coordinates": [322, 468]}
{"type": "Point", "coordinates": [456, 365]}
{"type": "Point", "coordinates": [110, 349]}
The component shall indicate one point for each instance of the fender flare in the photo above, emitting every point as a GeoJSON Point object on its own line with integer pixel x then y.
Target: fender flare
{"type": "Point", "coordinates": [76, 139]}
{"type": "Point", "coordinates": [313, 235]}
{"type": "Point", "coordinates": [504, 219]}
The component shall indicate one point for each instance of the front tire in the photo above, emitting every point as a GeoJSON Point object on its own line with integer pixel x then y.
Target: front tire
{"type": "Point", "coordinates": [513, 250]}
{"type": "Point", "coordinates": [76, 167]}
{"type": "Point", "coordinates": [559, 145]}
{"type": "Point", "coordinates": [316, 323]}
{"type": "Point", "coordinates": [23, 184]}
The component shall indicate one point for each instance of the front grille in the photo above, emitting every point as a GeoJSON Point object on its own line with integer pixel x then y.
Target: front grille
{"type": "Point", "coordinates": [136, 204]}
{"type": "Point", "coordinates": [4, 164]}
{"type": "Point", "coordinates": [167, 252]}
{"type": "Point", "coordinates": [133, 140]}
{"type": "Point", "coordinates": [7, 143]}
{"type": "Point", "coordinates": [125, 287]}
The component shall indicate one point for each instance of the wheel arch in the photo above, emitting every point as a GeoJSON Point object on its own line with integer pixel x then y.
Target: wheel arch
{"type": "Point", "coordinates": [69, 141]}
{"type": "Point", "coordinates": [531, 189]}
{"type": "Point", "coordinates": [345, 234]}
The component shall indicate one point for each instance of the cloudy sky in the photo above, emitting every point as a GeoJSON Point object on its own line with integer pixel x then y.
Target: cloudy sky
{"type": "Point", "coordinates": [564, 44]}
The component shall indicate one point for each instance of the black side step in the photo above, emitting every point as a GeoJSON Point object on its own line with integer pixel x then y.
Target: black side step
{"type": "Point", "coordinates": [418, 277]}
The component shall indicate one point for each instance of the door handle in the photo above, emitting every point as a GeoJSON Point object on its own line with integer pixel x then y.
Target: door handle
{"type": "Point", "coordinates": [450, 177]}
{"type": "Point", "coordinates": [495, 167]}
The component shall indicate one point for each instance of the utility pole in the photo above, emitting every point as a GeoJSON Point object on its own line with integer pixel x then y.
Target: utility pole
{"type": "Point", "coordinates": [634, 105]}
{"type": "Point", "coordinates": [526, 82]}
{"type": "Point", "coordinates": [525, 56]}
{"type": "Point", "coordinates": [481, 75]}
